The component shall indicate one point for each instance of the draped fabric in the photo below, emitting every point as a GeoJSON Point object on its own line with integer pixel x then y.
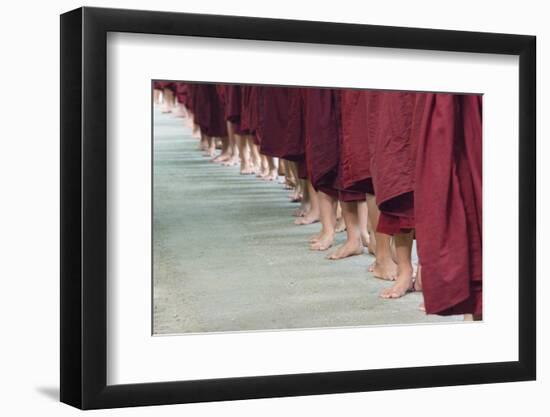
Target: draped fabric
{"type": "Point", "coordinates": [181, 92]}
{"type": "Point", "coordinates": [209, 110]}
{"type": "Point", "coordinates": [354, 172]}
{"type": "Point", "coordinates": [164, 84]}
{"type": "Point", "coordinates": [321, 122]}
{"type": "Point", "coordinates": [392, 147]}
{"type": "Point", "coordinates": [233, 103]}
{"type": "Point", "coordinates": [448, 203]}
{"type": "Point", "coordinates": [281, 123]}
{"type": "Point", "coordinates": [250, 117]}
{"type": "Point", "coordinates": [189, 100]}
{"type": "Point", "coordinates": [274, 120]}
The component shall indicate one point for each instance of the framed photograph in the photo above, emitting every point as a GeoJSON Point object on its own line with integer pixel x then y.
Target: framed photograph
{"type": "Point", "coordinates": [257, 208]}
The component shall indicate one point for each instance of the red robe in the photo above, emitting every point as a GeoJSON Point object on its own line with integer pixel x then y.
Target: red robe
{"type": "Point", "coordinates": [181, 92]}
{"type": "Point", "coordinates": [448, 203]}
{"type": "Point", "coordinates": [273, 120]}
{"type": "Point", "coordinates": [250, 117]}
{"type": "Point", "coordinates": [392, 148]}
{"type": "Point", "coordinates": [354, 172]}
{"type": "Point", "coordinates": [209, 110]}
{"type": "Point", "coordinates": [321, 122]}
{"type": "Point", "coordinates": [281, 123]}
{"type": "Point", "coordinates": [160, 85]}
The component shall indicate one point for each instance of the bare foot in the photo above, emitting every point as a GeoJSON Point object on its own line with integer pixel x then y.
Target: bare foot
{"type": "Point", "coordinates": [308, 218]}
{"type": "Point", "coordinates": [231, 162]}
{"type": "Point", "coordinates": [315, 238]}
{"type": "Point", "coordinates": [295, 196]}
{"type": "Point", "coordinates": [350, 248]}
{"type": "Point", "coordinates": [247, 170]}
{"type": "Point", "coordinates": [221, 158]}
{"type": "Point", "coordinates": [272, 176]}
{"type": "Point", "coordinates": [262, 173]}
{"type": "Point", "coordinates": [325, 241]}
{"type": "Point", "coordinates": [365, 240]}
{"type": "Point", "coordinates": [340, 225]}
{"type": "Point", "coordinates": [384, 270]}
{"type": "Point", "coordinates": [299, 212]}
{"type": "Point", "coordinates": [403, 285]}
{"type": "Point", "coordinates": [372, 244]}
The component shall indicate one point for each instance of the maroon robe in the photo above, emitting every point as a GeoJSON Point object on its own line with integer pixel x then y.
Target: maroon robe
{"type": "Point", "coordinates": [273, 120]}
{"type": "Point", "coordinates": [281, 123]}
{"type": "Point", "coordinates": [321, 123]}
{"type": "Point", "coordinates": [233, 107]}
{"type": "Point", "coordinates": [181, 92]}
{"type": "Point", "coordinates": [165, 84]}
{"type": "Point", "coordinates": [354, 170]}
{"type": "Point", "coordinates": [392, 147]}
{"type": "Point", "coordinates": [209, 110]}
{"type": "Point", "coordinates": [323, 128]}
{"type": "Point", "coordinates": [448, 203]}
{"type": "Point", "coordinates": [250, 117]}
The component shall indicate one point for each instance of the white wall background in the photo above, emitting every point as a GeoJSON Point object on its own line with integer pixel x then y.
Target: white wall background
{"type": "Point", "coordinates": [29, 226]}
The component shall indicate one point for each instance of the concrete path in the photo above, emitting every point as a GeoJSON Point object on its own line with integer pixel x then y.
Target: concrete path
{"type": "Point", "coordinates": [227, 256]}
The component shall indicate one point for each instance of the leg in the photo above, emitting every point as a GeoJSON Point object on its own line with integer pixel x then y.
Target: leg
{"type": "Point", "coordinates": [233, 149]}
{"type": "Point", "coordinates": [156, 96]}
{"type": "Point", "coordinates": [340, 223]}
{"type": "Point", "coordinates": [168, 100]}
{"type": "Point", "coordinates": [244, 154]}
{"type": "Point", "coordinates": [264, 169]}
{"type": "Point", "coordinates": [203, 144]}
{"type": "Point", "coordinates": [224, 155]}
{"type": "Point", "coordinates": [273, 168]}
{"type": "Point", "coordinates": [327, 207]}
{"type": "Point", "coordinates": [404, 279]}
{"type": "Point", "coordinates": [313, 215]}
{"type": "Point", "coordinates": [383, 267]}
{"type": "Point", "coordinates": [211, 148]}
{"type": "Point", "coordinates": [255, 154]}
{"type": "Point", "coordinates": [303, 197]}
{"type": "Point", "coordinates": [353, 245]}
{"type": "Point", "coordinates": [363, 215]}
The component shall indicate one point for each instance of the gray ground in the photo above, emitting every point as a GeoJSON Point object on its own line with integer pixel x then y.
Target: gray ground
{"type": "Point", "coordinates": [228, 258]}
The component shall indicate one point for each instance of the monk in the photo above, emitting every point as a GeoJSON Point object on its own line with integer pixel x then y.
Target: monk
{"type": "Point", "coordinates": [353, 178]}
{"type": "Point", "coordinates": [321, 124]}
{"type": "Point", "coordinates": [209, 115]}
{"type": "Point", "coordinates": [392, 146]}
{"type": "Point", "coordinates": [449, 227]}
{"type": "Point", "coordinates": [180, 99]}
{"type": "Point", "coordinates": [233, 116]}
{"type": "Point", "coordinates": [249, 124]}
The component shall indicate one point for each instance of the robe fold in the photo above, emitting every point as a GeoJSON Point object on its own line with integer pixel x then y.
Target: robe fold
{"type": "Point", "coordinates": [354, 171]}
{"type": "Point", "coordinates": [165, 84]}
{"type": "Point", "coordinates": [273, 120]}
{"type": "Point", "coordinates": [321, 123]}
{"type": "Point", "coordinates": [181, 92]}
{"type": "Point", "coordinates": [392, 148]}
{"type": "Point", "coordinates": [209, 110]}
{"type": "Point", "coordinates": [448, 203]}
{"type": "Point", "coordinates": [250, 101]}
{"type": "Point", "coordinates": [281, 123]}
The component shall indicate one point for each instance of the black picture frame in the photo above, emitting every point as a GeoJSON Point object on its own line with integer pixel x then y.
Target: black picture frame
{"type": "Point", "coordinates": [84, 207]}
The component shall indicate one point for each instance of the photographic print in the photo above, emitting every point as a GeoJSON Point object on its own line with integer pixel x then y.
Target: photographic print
{"type": "Point", "coordinates": [294, 219]}
{"type": "Point", "coordinates": [290, 207]}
